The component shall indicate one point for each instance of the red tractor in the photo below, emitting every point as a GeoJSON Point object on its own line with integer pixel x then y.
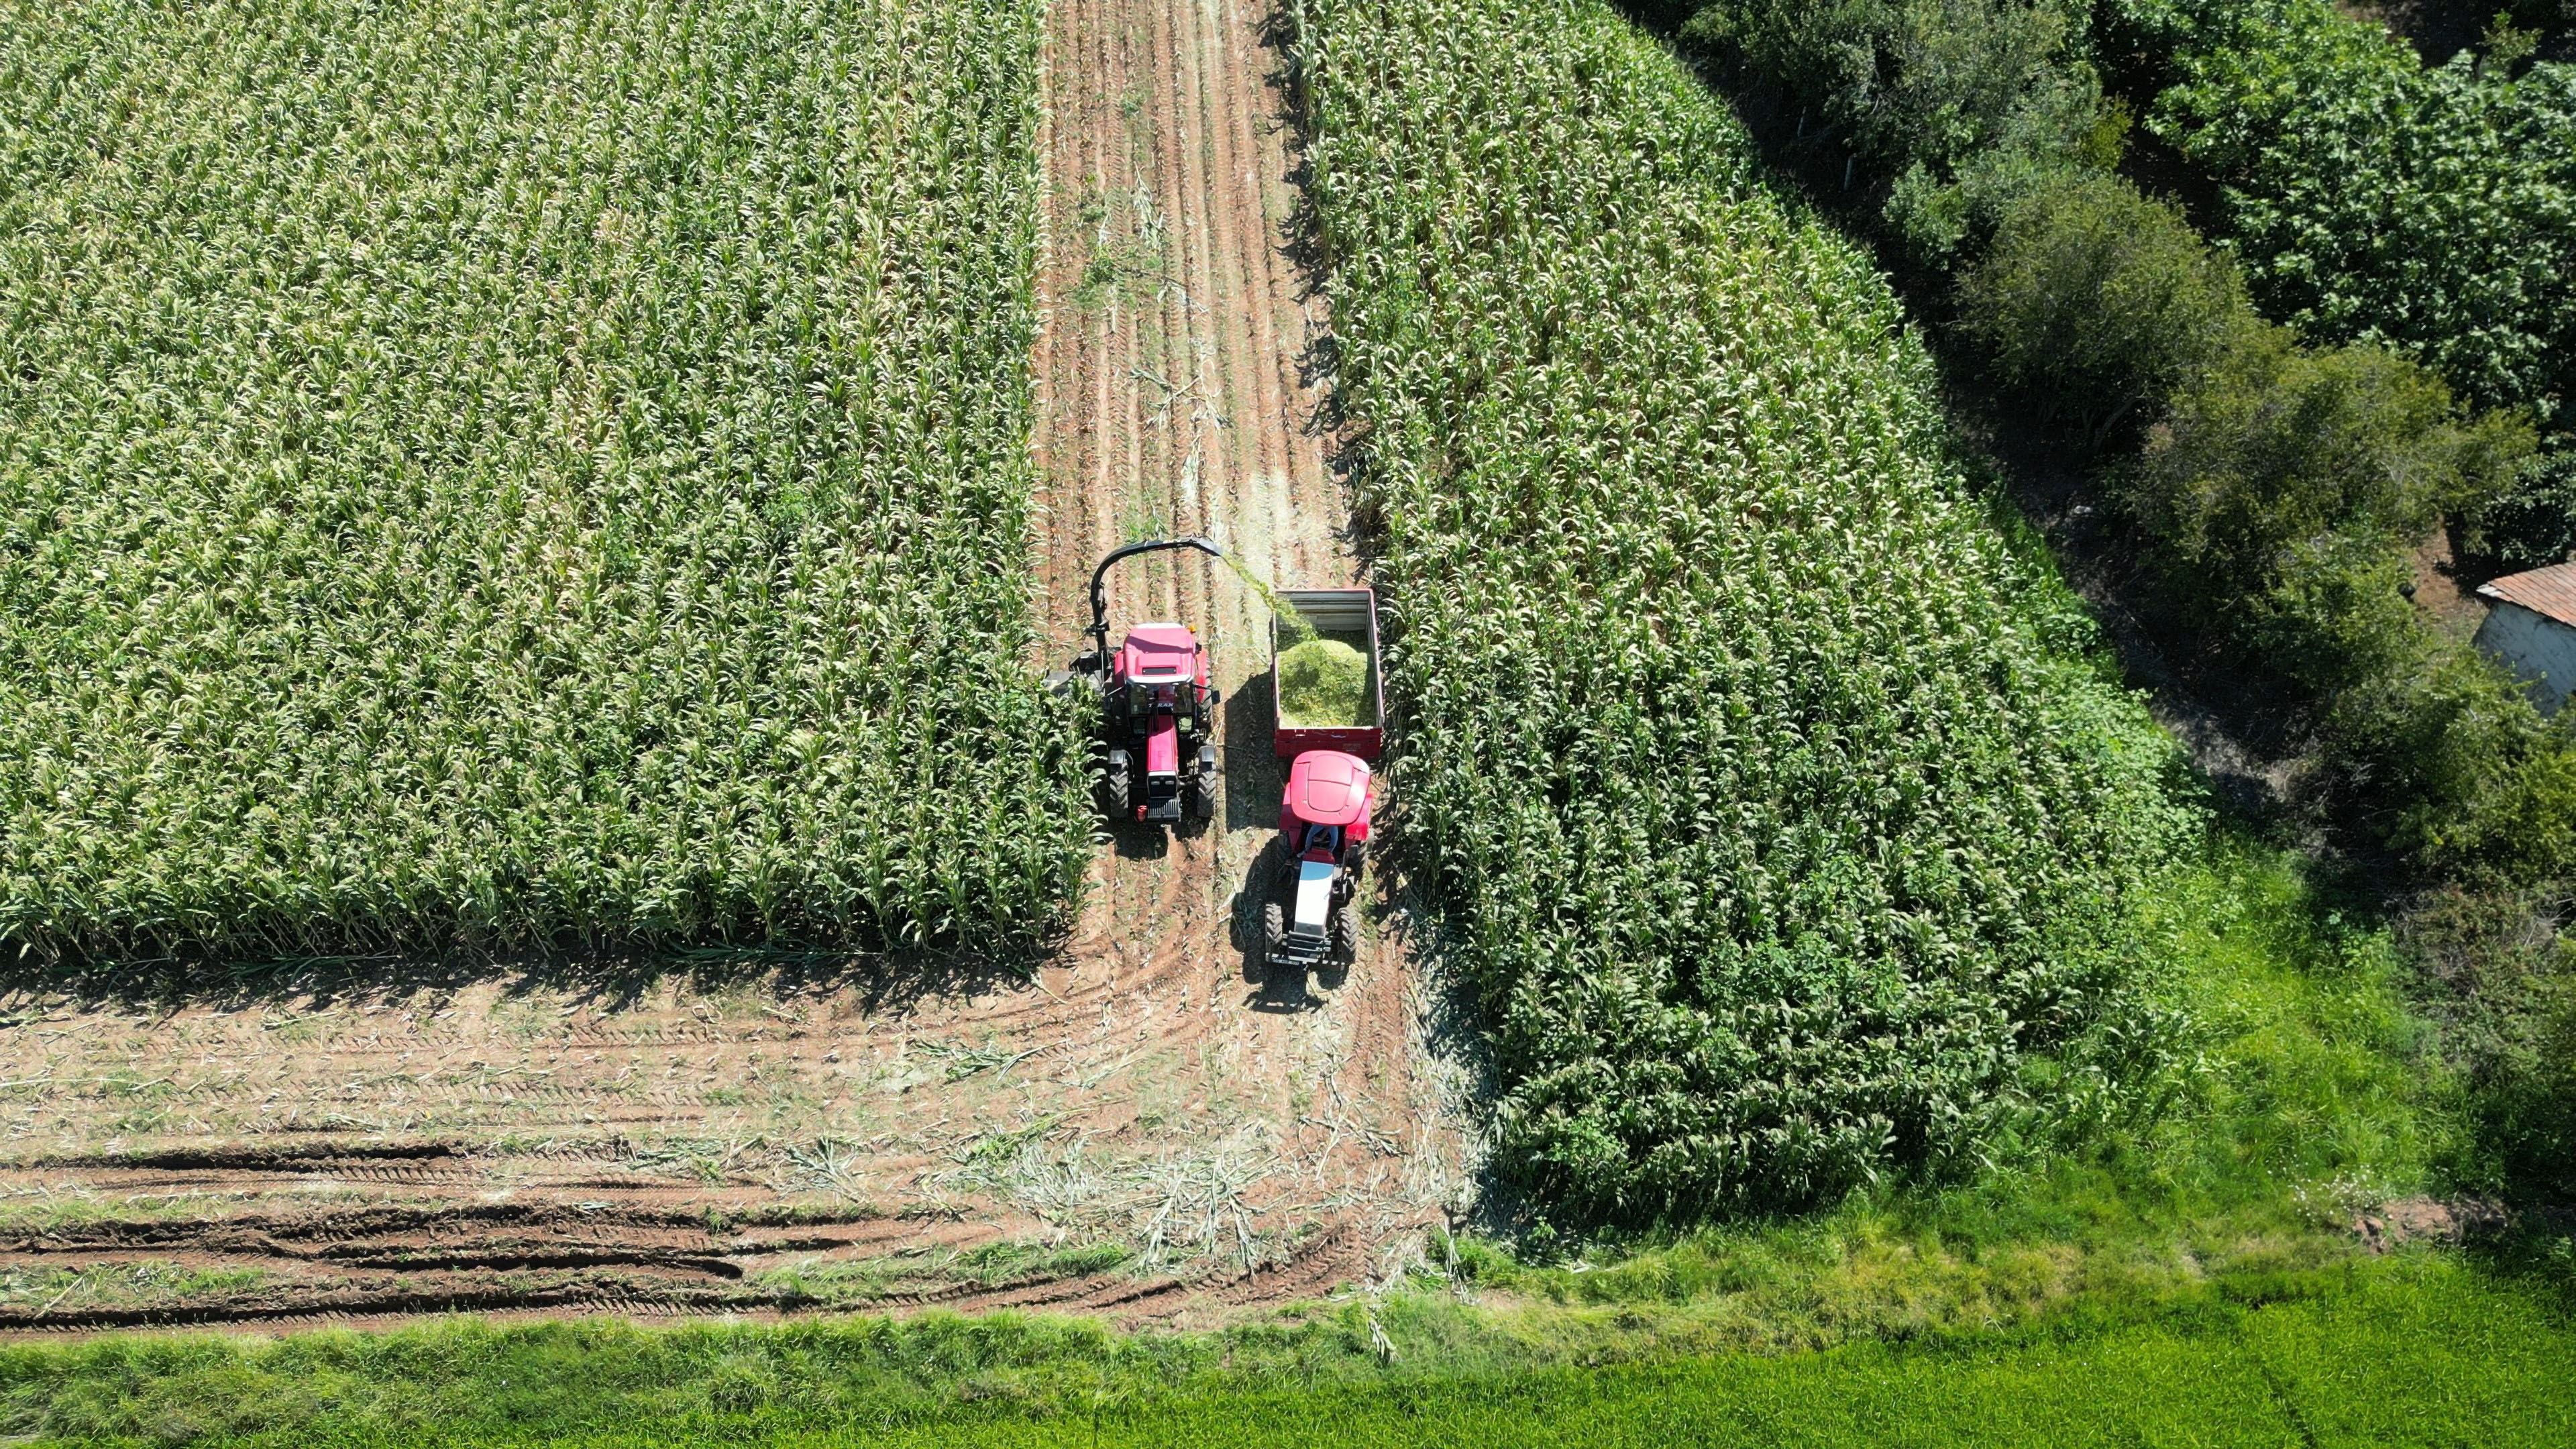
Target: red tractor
{"type": "Point", "coordinates": [1324, 815]}
{"type": "Point", "coordinates": [1158, 711]}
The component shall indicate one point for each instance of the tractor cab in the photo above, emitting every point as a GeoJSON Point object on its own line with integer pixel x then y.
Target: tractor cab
{"type": "Point", "coordinates": [1160, 654]}
{"type": "Point", "coordinates": [1160, 667]}
{"type": "Point", "coordinates": [1324, 820]}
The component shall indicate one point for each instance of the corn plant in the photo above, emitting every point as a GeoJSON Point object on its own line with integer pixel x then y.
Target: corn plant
{"type": "Point", "coordinates": [476, 470]}
{"type": "Point", "coordinates": [1771, 800]}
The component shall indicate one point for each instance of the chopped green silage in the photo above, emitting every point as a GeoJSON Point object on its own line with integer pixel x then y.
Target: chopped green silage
{"type": "Point", "coordinates": [1323, 682]}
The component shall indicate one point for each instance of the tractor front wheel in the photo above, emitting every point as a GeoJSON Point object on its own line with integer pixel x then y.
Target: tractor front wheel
{"type": "Point", "coordinates": [1346, 934]}
{"type": "Point", "coordinates": [1274, 930]}
{"type": "Point", "coordinates": [1118, 787]}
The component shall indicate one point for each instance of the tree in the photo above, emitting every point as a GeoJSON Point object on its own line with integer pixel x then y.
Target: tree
{"type": "Point", "coordinates": [2097, 301]}
{"type": "Point", "coordinates": [2277, 447]}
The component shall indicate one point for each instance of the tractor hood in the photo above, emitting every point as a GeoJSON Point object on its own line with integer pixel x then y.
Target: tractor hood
{"type": "Point", "coordinates": [1327, 787]}
{"type": "Point", "coordinates": [1157, 652]}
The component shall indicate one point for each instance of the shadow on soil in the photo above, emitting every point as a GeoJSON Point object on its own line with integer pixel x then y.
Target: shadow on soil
{"type": "Point", "coordinates": [1252, 776]}
{"type": "Point", "coordinates": [1133, 841]}
{"type": "Point", "coordinates": [1253, 780]}
{"type": "Point", "coordinates": [1273, 989]}
{"type": "Point", "coordinates": [887, 982]}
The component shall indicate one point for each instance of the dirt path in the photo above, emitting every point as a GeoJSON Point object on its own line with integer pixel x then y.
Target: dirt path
{"type": "Point", "coordinates": [1151, 1130]}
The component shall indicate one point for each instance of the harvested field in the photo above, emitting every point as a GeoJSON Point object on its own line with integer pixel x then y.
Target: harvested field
{"type": "Point", "coordinates": [1145, 1127]}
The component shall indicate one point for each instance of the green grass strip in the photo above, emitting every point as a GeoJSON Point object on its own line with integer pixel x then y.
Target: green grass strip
{"type": "Point", "coordinates": [2412, 1352]}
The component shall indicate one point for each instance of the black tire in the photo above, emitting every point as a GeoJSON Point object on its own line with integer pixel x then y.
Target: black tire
{"type": "Point", "coordinates": [1118, 787]}
{"type": "Point", "coordinates": [1274, 929]}
{"type": "Point", "coordinates": [1203, 797]}
{"type": "Point", "coordinates": [1346, 934]}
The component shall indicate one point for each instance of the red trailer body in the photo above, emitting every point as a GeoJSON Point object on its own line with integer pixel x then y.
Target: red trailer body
{"type": "Point", "coordinates": [1349, 615]}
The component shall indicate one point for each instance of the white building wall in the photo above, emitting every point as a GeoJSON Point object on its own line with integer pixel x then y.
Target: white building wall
{"type": "Point", "coordinates": [2538, 648]}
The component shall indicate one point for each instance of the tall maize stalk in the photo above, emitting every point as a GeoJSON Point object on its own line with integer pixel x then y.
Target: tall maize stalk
{"type": "Point", "coordinates": [1773, 806]}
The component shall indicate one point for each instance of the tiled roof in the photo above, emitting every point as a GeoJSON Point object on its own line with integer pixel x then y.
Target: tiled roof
{"type": "Point", "coordinates": [2550, 591]}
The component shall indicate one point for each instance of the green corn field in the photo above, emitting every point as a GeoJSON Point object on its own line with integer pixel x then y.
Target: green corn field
{"type": "Point", "coordinates": [1773, 805]}
{"type": "Point", "coordinates": [487, 472]}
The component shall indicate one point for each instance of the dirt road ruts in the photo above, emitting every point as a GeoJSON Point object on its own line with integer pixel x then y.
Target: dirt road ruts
{"type": "Point", "coordinates": [1150, 1128]}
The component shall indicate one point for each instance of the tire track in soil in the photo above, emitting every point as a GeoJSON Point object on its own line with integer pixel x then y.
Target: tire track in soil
{"type": "Point", "coordinates": [522, 1147]}
{"type": "Point", "coordinates": [547, 1280]}
{"type": "Point", "coordinates": [1172, 400]}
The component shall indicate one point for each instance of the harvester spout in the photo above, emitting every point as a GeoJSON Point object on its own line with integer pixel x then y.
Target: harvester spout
{"type": "Point", "coordinates": [1099, 630]}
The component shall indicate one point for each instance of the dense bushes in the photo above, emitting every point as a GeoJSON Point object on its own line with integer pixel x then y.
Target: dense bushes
{"type": "Point", "coordinates": [2096, 302]}
{"type": "Point", "coordinates": [2281, 492]}
{"type": "Point", "coordinates": [2279, 488]}
{"type": "Point", "coordinates": [1958, 105]}
{"type": "Point", "coordinates": [2503, 971]}
{"type": "Point", "coordinates": [2534, 523]}
{"type": "Point", "coordinates": [1783, 829]}
{"type": "Point", "coordinates": [2373, 198]}
{"type": "Point", "coordinates": [2270, 456]}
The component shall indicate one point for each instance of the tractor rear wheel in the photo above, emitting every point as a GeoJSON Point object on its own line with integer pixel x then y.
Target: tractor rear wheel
{"type": "Point", "coordinates": [1346, 933]}
{"type": "Point", "coordinates": [1274, 930]}
{"type": "Point", "coordinates": [1118, 787]}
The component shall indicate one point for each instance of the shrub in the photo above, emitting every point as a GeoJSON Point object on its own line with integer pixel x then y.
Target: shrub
{"type": "Point", "coordinates": [2534, 523]}
{"type": "Point", "coordinates": [2448, 760]}
{"type": "Point", "coordinates": [1960, 105]}
{"type": "Point", "coordinates": [2096, 301]}
{"type": "Point", "coordinates": [2282, 492]}
{"type": "Point", "coordinates": [2503, 964]}
{"type": "Point", "coordinates": [2277, 458]}
{"type": "Point", "coordinates": [2524, 1099]}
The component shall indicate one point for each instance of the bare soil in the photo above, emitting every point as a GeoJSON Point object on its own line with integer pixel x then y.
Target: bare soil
{"type": "Point", "coordinates": [2409, 1219]}
{"type": "Point", "coordinates": [1146, 1126]}
{"type": "Point", "coordinates": [2446, 587]}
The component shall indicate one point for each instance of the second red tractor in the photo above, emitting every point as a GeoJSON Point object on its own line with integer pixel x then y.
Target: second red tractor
{"type": "Point", "coordinates": [1324, 815]}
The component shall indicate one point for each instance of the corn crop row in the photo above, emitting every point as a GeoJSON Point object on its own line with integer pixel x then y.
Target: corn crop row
{"type": "Point", "coordinates": [503, 471]}
{"type": "Point", "coordinates": [1772, 803]}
